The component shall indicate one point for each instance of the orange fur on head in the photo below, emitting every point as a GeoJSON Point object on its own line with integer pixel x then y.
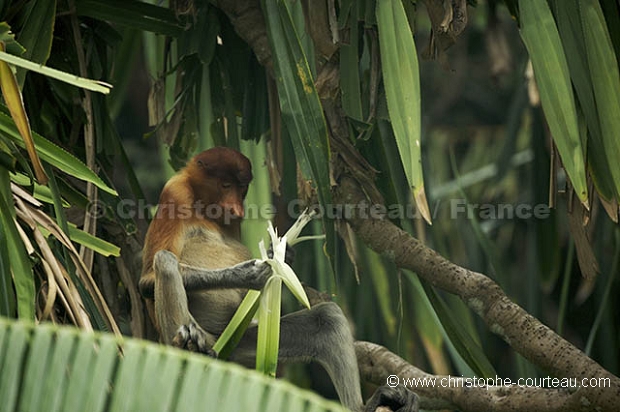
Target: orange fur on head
{"type": "Point", "coordinates": [208, 193]}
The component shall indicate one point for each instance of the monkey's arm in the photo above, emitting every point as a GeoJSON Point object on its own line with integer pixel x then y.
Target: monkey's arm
{"type": "Point", "coordinates": [245, 275]}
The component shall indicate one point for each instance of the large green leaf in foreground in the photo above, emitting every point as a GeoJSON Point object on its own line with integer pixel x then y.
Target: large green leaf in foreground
{"type": "Point", "coordinates": [49, 368]}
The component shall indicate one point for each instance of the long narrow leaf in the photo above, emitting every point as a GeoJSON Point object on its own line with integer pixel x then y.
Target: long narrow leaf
{"type": "Point", "coordinates": [14, 101]}
{"type": "Point", "coordinates": [540, 35]}
{"type": "Point", "coordinates": [399, 62]}
{"type": "Point", "coordinates": [301, 109]}
{"type": "Point", "coordinates": [349, 64]}
{"type": "Point", "coordinates": [37, 33]}
{"type": "Point", "coordinates": [23, 277]}
{"type": "Point", "coordinates": [136, 14]}
{"type": "Point", "coordinates": [94, 85]}
{"type": "Point", "coordinates": [570, 27]}
{"type": "Point", "coordinates": [268, 340]}
{"type": "Point", "coordinates": [605, 81]}
{"type": "Point", "coordinates": [235, 329]}
{"type": "Point", "coordinates": [54, 155]}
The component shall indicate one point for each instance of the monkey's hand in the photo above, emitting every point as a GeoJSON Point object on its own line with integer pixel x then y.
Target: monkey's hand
{"type": "Point", "coordinates": [194, 338]}
{"type": "Point", "coordinates": [251, 274]}
{"type": "Point", "coordinates": [289, 255]}
{"type": "Point", "coordinates": [254, 272]}
{"type": "Point", "coordinates": [398, 398]}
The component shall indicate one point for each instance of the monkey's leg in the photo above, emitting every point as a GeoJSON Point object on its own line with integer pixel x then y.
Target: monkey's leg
{"type": "Point", "coordinates": [177, 327]}
{"type": "Point", "coordinates": [320, 334]}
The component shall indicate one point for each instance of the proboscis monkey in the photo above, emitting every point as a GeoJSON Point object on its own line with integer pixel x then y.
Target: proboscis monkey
{"type": "Point", "coordinates": [196, 272]}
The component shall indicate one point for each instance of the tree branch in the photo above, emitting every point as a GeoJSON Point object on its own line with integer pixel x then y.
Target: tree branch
{"type": "Point", "coordinates": [523, 332]}
{"type": "Point", "coordinates": [376, 364]}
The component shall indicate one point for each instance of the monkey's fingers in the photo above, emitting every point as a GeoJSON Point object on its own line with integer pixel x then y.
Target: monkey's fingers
{"type": "Point", "coordinates": [256, 274]}
{"type": "Point", "coordinates": [289, 255]}
{"type": "Point", "coordinates": [181, 338]}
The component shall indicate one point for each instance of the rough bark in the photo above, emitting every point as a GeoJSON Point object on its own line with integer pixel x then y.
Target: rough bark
{"type": "Point", "coordinates": [377, 364]}
{"type": "Point", "coordinates": [524, 333]}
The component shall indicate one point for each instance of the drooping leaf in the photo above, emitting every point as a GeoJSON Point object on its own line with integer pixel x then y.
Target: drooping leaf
{"type": "Point", "coordinates": [570, 27]}
{"type": "Point", "coordinates": [301, 109]}
{"type": "Point", "coordinates": [92, 242]}
{"type": "Point", "coordinates": [399, 62]}
{"type": "Point", "coordinates": [605, 77]}
{"type": "Point", "coordinates": [540, 35]}
{"type": "Point", "coordinates": [54, 155]}
{"type": "Point", "coordinates": [15, 103]}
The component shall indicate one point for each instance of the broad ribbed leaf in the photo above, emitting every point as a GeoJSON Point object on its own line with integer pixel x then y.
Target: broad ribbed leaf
{"type": "Point", "coordinates": [49, 368]}
{"type": "Point", "coordinates": [14, 343]}
{"type": "Point", "coordinates": [399, 62]}
{"type": "Point", "coordinates": [540, 35]}
{"type": "Point", "coordinates": [381, 287]}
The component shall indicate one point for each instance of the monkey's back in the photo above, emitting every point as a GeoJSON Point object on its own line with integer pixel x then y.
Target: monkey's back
{"type": "Point", "coordinates": [207, 249]}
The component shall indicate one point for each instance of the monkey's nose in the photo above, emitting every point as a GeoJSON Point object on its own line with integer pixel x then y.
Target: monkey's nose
{"type": "Point", "coordinates": [237, 210]}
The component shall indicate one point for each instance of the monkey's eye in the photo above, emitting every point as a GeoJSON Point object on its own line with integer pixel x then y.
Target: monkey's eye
{"type": "Point", "coordinates": [226, 185]}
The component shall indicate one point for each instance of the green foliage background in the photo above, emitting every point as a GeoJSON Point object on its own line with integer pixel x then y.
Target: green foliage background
{"type": "Point", "coordinates": [185, 81]}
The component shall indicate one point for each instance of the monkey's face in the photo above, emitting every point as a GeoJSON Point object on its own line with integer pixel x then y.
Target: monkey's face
{"type": "Point", "coordinates": [220, 179]}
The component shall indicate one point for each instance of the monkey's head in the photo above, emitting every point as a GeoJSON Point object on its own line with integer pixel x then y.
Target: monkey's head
{"type": "Point", "coordinates": [219, 178]}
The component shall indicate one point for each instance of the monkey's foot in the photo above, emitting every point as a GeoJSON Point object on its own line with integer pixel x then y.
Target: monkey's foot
{"type": "Point", "coordinates": [398, 399]}
{"type": "Point", "coordinates": [193, 338]}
